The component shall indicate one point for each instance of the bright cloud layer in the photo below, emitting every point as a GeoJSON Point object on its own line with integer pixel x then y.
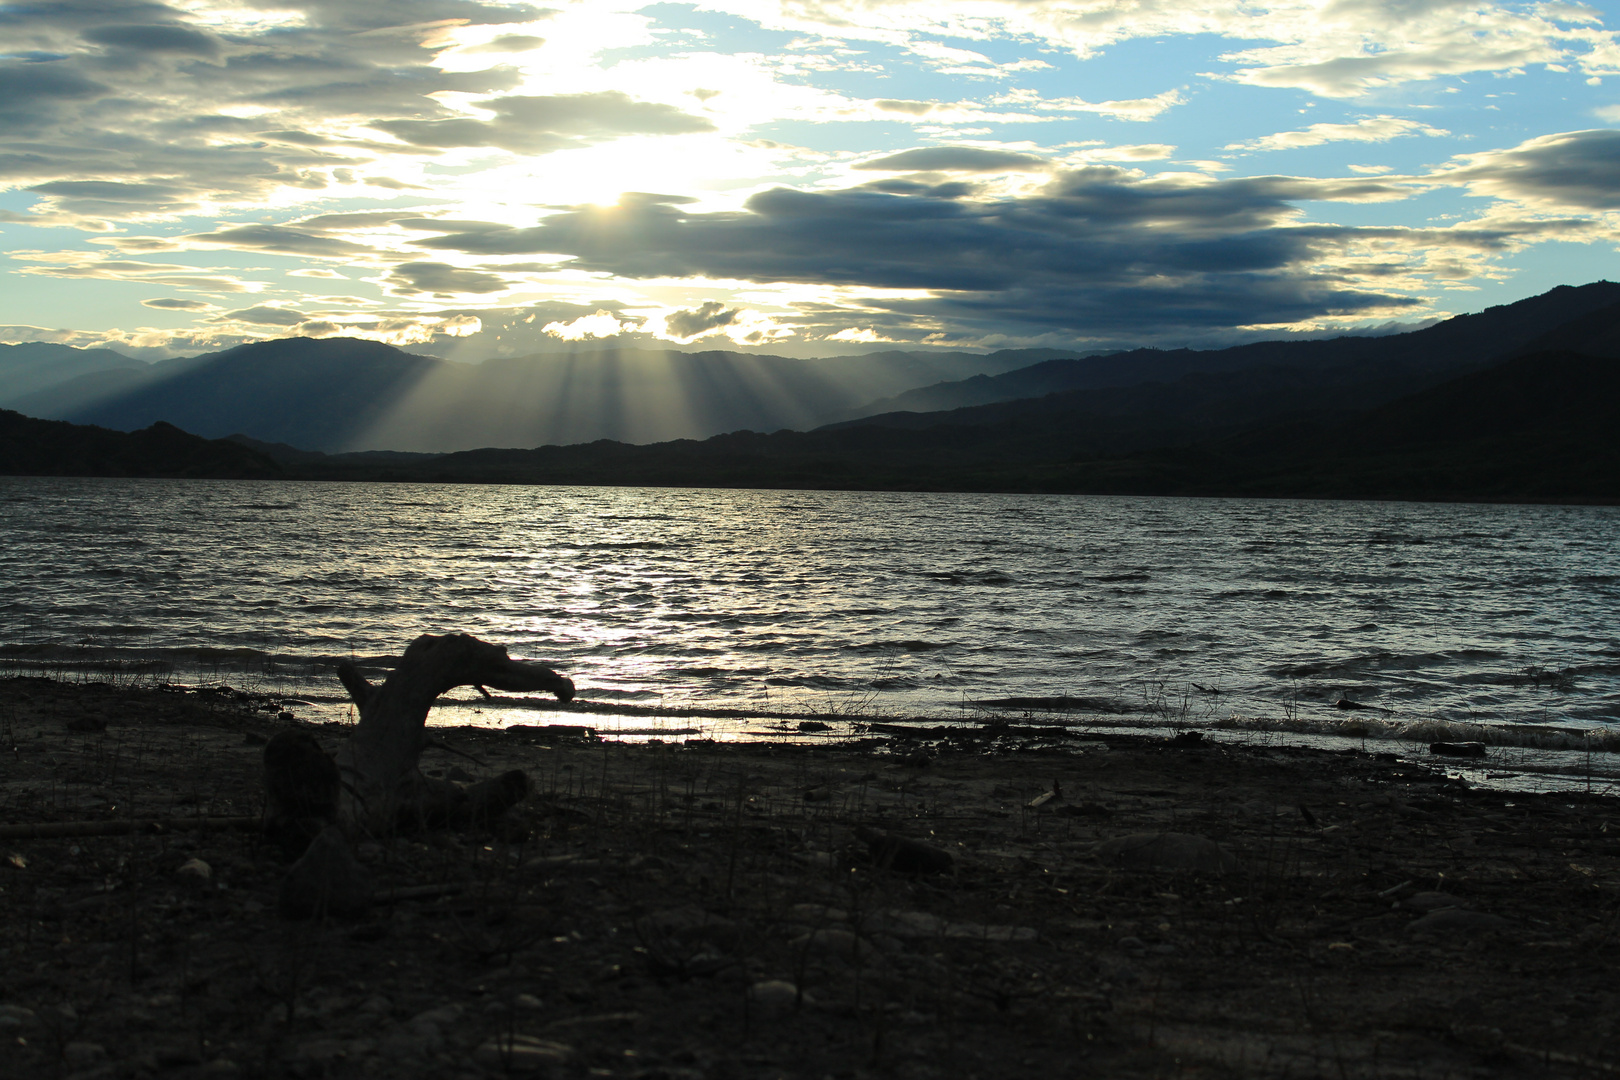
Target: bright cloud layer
{"type": "Point", "coordinates": [487, 178]}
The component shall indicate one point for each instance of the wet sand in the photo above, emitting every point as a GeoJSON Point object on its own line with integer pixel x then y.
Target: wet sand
{"type": "Point", "coordinates": [739, 910]}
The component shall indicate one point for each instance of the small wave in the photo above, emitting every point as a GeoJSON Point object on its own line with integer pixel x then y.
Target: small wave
{"type": "Point", "coordinates": [905, 646]}
{"type": "Point", "coordinates": [1134, 575]}
{"type": "Point", "coordinates": [813, 682]}
{"type": "Point", "coordinates": [1379, 661]}
{"type": "Point", "coordinates": [970, 577]}
{"type": "Point", "coordinates": [1060, 703]}
{"type": "Point", "coordinates": [268, 506]}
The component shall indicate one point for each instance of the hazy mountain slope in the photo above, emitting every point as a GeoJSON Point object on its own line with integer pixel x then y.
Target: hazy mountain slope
{"type": "Point", "coordinates": [340, 394]}
{"type": "Point", "coordinates": [310, 393]}
{"type": "Point", "coordinates": [81, 393]}
{"type": "Point", "coordinates": [34, 366]}
{"type": "Point", "coordinates": [1433, 352]}
{"type": "Point", "coordinates": [32, 447]}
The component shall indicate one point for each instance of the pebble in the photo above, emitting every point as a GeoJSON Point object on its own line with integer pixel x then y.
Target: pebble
{"type": "Point", "coordinates": [774, 998]}
{"type": "Point", "coordinates": [16, 1017]}
{"type": "Point", "coordinates": [522, 1053]}
{"type": "Point", "coordinates": [195, 868]}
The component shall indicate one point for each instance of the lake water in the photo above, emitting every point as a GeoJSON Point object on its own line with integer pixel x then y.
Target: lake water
{"type": "Point", "coordinates": [1188, 611]}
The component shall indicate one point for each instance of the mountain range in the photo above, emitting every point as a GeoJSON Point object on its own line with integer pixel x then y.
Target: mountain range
{"type": "Point", "coordinates": [1516, 402]}
{"type": "Point", "coordinates": [343, 394]}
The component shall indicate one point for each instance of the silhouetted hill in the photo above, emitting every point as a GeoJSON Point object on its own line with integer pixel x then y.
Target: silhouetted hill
{"type": "Point", "coordinates": [31, 447]}
{"type": "Point", "coordinates": [1541, 427]}
{"type": "Point", "coordinates": [1402, 362]}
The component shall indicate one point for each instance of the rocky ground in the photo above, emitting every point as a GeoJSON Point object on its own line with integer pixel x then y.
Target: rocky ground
{"type": "Point", "coordinates": [1012, 906]}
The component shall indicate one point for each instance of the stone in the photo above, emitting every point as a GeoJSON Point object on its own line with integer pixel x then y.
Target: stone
{"type": "Point", "coordinates": [196, 869]}
{"type": "Point", "coordinates": [773, 998]}
{"type": "Point", "coordinates": [1178, 852]}
{"type": "Point", "coordinates": [16, 1018]}
{"type": "Point", "coordinates": [522, 1053]}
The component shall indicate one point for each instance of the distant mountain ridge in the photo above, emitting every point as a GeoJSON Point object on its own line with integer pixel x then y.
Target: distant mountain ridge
{"type": "Point", "coordinates": [1543, 426]}
{"type": "Point", "coordinates": [33, 366]}
{"type": "Point", "coordinates": [339, 395]}
{"type": "Point", "coordinates": [342, 394]}
{"type": "Point", "coordinates": [1449, 347]}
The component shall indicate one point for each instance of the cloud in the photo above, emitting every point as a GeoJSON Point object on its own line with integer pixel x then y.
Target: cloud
{"type": "Point", "coordinates": [1095, 246]}
{"type": "Point", "coordinates": [172, 304]}
{"type": "Point", "coordinates": [957, 159]}
{"type": "Point", "coordinates": [1571, 170]}
{"type": "Point", "coordinates": [1136, 109]}
{"type": "Point", "coordinates": [538, 125]}
{"type": "Point", "coordinates": [264, 315]}
{"type": "Point", "coordinates": [599, 324]}
{"type": "Point", "coordinates": [706, 318]}
{"type": "Point", "coordinates": [79, 265]}
{"type": "Point", "coordinates": [278, 239]}
{"type": "Point", "coordinates": [443, 280]}
{"type": "Point", "coordinates": [508, 43]}
{"type": "Point", "coordinates": [135, 37]}
{"type": "Point", "coordinates": [1372, 129]}
{"type": "Point", "coordinates": [1341, 49]}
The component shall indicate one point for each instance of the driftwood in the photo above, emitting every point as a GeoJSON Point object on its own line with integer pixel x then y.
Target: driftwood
{"type": "Point", "coordinates": [374, 785]}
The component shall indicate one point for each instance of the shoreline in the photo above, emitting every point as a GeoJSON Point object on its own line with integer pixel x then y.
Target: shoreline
{"type": "Point", "coordinates": [642, 912]}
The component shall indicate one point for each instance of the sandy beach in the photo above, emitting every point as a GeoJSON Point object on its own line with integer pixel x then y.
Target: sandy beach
{"type": "Point", "coordinates": [1009, 904]}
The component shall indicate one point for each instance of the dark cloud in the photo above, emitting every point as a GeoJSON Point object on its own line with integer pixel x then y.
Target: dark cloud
{"type": "Point", "coordinates": [909, 108]}
{"type": "Point", "coordinates": [31, 94]}
{"type": "Point", "coordinates": [1578, 169]}
{"type": "Point", "coordinates": [1095, 245]}
{"type": "Point", "coordinates": [154, 39]}
{"type": "Point", "coordinates": [263, 316]}
{"type": "Point", "coordinates": [532, 125]}
{"type": "Point", "coordinates": [442, 280]}
{"type": "Point", "coordinates": [509, 43]}
{"type": "Point", "coordinates": [110, 197]}
{"type": "Point", "coordinates": [134, 93]}
{"type": "Point", "coordinates": [174, 304]}
{"type": "Point", "coordinates": [709, 315]}
{"type": "Point", "coordinates": [281, 240]}
{"type": "Point", "coordinates": [957, 159]}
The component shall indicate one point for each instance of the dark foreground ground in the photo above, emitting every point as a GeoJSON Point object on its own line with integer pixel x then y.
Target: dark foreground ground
{"type": "Point", "coordinates": [712, 911]}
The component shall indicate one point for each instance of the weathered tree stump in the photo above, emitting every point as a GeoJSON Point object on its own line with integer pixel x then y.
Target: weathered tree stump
{"type": "Point", "coordinates": [375, 786]}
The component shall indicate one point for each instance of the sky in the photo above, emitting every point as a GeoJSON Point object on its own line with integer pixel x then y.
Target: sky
{"type": "Point", "coordinates": [801, 177]}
